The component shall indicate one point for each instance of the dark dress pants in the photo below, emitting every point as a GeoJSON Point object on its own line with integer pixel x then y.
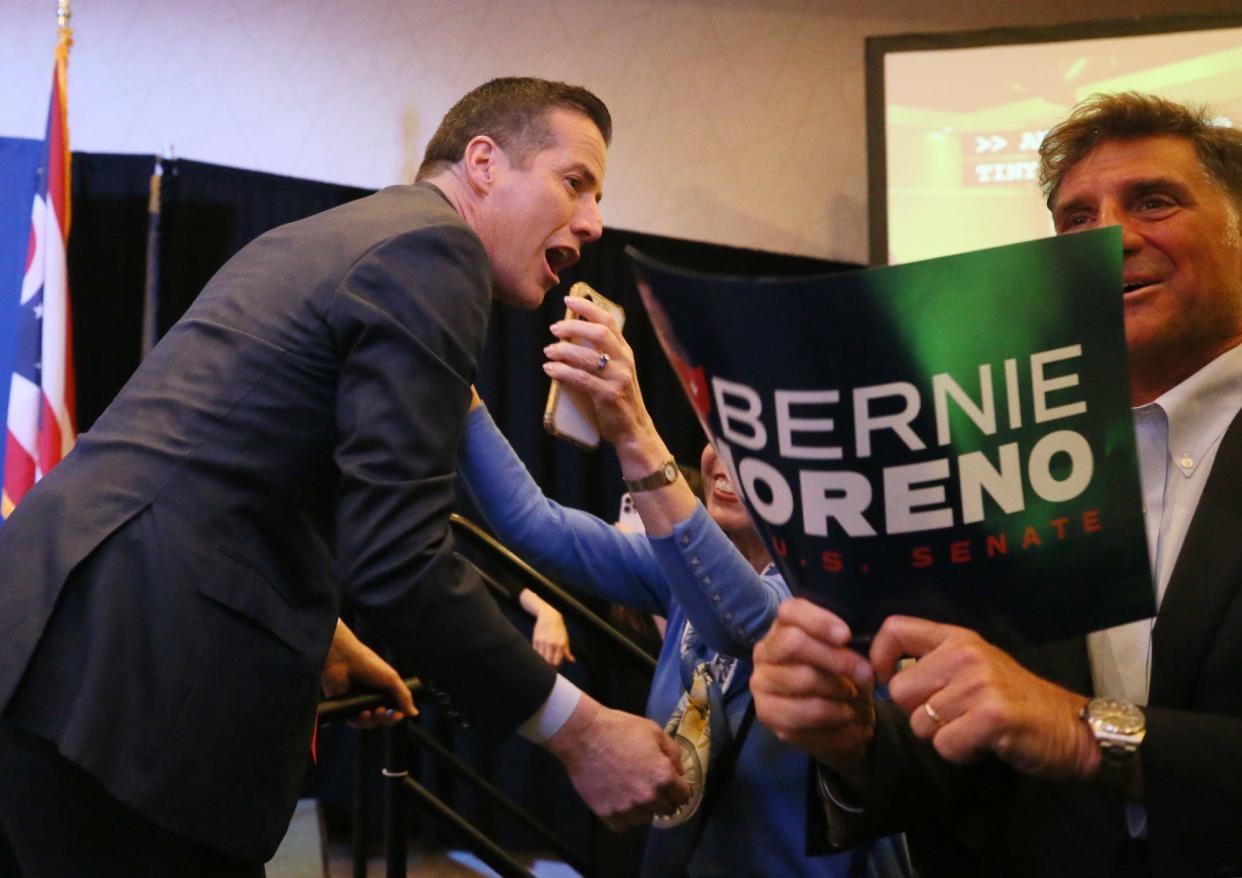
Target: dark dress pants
{"type": "Point", "coordinates": [56, 821]}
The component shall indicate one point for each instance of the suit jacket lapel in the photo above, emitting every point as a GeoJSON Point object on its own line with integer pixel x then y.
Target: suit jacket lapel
{"type": "Point", "coordinates": [1204, 580]}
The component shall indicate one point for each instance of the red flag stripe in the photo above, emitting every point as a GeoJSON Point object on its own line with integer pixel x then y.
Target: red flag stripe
{"type": "Point", "coordinates": [49, 438]}
{"type": "Point", "coordinates": [19, 469]}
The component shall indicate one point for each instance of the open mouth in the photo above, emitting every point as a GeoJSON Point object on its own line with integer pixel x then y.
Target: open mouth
{"type": "Point", "coordinates": [1132, 286]}
{"type": "Point", "coordinates": [722, 488]}
{"type": "Point", "coordinates": [560, 258]}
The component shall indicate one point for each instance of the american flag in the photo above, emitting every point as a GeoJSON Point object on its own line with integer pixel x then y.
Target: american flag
{"type": "Point", "coordinates": [40, 424]}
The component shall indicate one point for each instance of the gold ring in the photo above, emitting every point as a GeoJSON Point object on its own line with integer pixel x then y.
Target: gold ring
{"type": "Point", "coordinates": [931, 713]}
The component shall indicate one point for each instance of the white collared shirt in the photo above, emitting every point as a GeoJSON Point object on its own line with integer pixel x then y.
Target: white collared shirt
{"type": "Point", "coordinates": [1178, 435]}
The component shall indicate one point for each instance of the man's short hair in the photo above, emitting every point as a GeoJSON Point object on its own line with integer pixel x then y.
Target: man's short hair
{"type": "Point", "coordinates": [1129, 115]}
{"type": "Point", "coordinates": [513, 111]}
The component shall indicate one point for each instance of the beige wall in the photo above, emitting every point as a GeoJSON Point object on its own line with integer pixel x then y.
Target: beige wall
{"type": "Point", "coordinates": [738, 121]}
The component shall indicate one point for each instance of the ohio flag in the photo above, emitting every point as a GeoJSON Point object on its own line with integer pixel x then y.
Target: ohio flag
{"type": "Point", "coordinates": [40, 419]}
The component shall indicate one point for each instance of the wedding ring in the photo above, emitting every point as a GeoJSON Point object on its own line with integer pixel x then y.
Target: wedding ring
{"type": "Point", "coordinates": [603, 361]}
{"type": "Point", "coordinates": [931, 713]}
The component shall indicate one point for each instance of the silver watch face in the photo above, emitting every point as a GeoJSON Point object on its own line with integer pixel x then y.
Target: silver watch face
{"type": "Point", "coordinates": [1115, 716]}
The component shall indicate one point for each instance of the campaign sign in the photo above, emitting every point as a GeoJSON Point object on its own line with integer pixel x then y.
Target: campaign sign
{"type": "Point", "coordinates": [949, 439]}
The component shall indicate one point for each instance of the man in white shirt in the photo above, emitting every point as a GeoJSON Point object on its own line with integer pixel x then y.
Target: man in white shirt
{"type": "Point", "coordinates": [1120, 755]}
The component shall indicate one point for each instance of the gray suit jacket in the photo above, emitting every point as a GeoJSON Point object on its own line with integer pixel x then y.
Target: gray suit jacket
{"type": "Point", "coordinates": [170, 590]}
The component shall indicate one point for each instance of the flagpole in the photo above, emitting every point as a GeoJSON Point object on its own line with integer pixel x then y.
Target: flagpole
{"type": "Point", "coordinates": [64, 32]}
{"type": "Point", "coordinates": [64, 41]}
{"type": "Point", "coordinates": [65, 409]}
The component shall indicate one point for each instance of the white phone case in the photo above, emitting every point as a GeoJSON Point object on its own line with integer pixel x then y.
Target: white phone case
{"type": "Point", "coordinates": [569, 413]}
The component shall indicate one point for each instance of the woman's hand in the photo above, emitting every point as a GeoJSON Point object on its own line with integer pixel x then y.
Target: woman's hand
{"type": "Point", "coordinates": [550, 638]}
{"type": "Point", "coordinates": [591, 356]}
{"type": "Point", "coordinates": [575, 360]}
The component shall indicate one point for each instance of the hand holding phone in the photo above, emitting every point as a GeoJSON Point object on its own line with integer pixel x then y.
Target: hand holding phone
{"type": "Point", "coordinates": [569, 413]}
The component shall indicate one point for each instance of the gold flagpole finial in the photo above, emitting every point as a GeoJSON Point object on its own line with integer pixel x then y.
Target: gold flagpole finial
{"type": "Point", "coordinates": [66, 33]}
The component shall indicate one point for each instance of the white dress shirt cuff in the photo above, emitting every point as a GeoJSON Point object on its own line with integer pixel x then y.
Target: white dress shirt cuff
{"type": "Point", "coordinates": [552, 714]}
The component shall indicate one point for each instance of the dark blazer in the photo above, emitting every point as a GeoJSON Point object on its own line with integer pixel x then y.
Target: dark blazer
{"type": "Point", "coordinates": [170, 590]}
{"type": "Point", "coordinates": [987, 820]}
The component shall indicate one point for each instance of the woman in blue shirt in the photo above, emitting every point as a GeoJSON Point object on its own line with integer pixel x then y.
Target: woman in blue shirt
{"type": "Point", "coordinates": [704, 569]}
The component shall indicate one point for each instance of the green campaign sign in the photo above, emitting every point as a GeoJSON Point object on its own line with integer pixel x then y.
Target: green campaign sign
{"type": "Point", "coordinates": [949, 439]}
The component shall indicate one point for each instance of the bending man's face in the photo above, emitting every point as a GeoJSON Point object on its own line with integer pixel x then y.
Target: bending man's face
{"type": "Point", "coordinates": [541, 214]}
{"type": "Point", "coordinates": [1182, 240]}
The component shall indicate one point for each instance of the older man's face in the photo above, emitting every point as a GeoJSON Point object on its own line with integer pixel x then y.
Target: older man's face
{"type": "Point", "coordinates": [1182, 239]}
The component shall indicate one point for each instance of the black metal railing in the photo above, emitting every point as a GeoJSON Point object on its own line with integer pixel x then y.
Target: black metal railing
{"type": "Point", "coordinates": [348, 707]}
{"type": "Point", "coordinates": [400, 787]}
{"type": "Point", "coordinates": [506, 575]}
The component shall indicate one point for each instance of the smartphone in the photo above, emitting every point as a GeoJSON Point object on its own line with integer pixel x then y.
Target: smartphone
{"type": "Point", "coordinates": [569, 413]}
{"type": "Point", "coordinates": [628, 518]}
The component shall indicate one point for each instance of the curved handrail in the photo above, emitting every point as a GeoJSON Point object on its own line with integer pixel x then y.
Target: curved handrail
{"type": "Point", "coordinates": [546, 588]}
{"type": "Point", "coordinates": [347, 707]}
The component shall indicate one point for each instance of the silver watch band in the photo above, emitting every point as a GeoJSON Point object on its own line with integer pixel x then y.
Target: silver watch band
{"type": "Point", "coordinates": [1118, 727]}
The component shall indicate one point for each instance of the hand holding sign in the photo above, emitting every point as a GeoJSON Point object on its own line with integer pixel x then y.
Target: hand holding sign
{"type": "Point", "coordinates": [812, 690]}
{"type": "Point", "coordinates": [971, 699]}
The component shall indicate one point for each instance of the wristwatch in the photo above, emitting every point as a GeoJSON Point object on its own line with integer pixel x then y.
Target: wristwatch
{"type": "Point", "coordinates": [665, 475]}
{"type": "Point", "coordinates": [1118, 727]}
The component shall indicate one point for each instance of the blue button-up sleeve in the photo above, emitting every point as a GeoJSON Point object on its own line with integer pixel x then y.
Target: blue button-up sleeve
{"type": "Point", "coordinates": [729, 604]}
{"type": "Point", "coordinates": [571, 546]}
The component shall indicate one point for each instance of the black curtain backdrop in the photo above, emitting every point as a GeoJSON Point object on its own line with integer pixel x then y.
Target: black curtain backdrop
{"type": "Point", "coordinates": [209, 212]}
{"type": "Point", "coordinates": [107, 263]}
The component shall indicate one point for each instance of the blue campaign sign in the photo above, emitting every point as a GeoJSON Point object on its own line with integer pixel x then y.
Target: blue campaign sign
{"type": "Point", "coordinates": [19, 164]}
{"type": "Point", "coordinates": [949, 439]}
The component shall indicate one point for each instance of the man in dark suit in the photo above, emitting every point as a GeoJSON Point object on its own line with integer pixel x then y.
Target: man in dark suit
{"type": "Point", "coordinates": [1120, 754]}
{"type": "Point", "coordinates": [171, 589]}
